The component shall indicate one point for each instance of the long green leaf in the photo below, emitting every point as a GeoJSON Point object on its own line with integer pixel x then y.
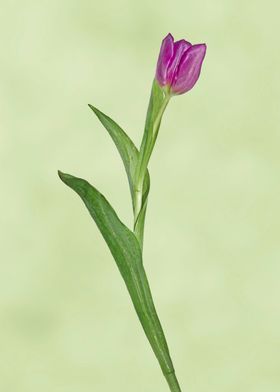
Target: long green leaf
{"type": "Point", "coordinates": [127, 253]}
{"type": "Point", "coordinates": [129, 154]}
{"type": "Point", "coordinates": [124, 144]}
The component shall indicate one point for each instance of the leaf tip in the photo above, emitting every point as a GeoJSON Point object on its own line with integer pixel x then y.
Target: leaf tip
{"type": "Point", "coordinates": [60, 174]}
{"type": "Point", "coordinates": [93, 108]}
{"type": "Point", "coordinates": [63, 176]}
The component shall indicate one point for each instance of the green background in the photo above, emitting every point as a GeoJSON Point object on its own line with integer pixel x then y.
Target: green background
{"type": "Point", "coordinates": [212, 234]}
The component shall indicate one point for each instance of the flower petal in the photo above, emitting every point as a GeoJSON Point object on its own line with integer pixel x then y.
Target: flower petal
{"type": "Point", "coordinates": [189, 69]}
{"type": "Point", "coordinates": [180, 47]}
{"type": "Point", "coordinates": [165, 55]}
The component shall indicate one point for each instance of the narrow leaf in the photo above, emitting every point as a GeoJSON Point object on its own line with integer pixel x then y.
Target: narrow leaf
{"type": "Point", "coordinates": [124, 144]}
{"type": "Point", "coordinates": [129, 155]}
{"type": "Point", "coordinates": [126, 251]}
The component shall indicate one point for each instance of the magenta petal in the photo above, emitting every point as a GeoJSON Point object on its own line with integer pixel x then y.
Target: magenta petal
{"type": "Point", "coordinates": [180, 47]}
{"type": "Point", "coordinates": [189, 69]}
{"type": "Point", "coordinates": [165, 55]}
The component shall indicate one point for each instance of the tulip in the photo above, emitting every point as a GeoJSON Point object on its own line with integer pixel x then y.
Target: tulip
{"type": "Point", "coordinates": [179, 65]}
{"type": "Point", "coordinates": [178, 69]}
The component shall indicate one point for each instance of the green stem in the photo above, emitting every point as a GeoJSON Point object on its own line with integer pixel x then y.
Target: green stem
{"type": "Point", "coordinates": [146, 150]}
{"type": "Point", "coordinates": [173, 382]}
{"type": "Point", "coordinates": [147, 312]}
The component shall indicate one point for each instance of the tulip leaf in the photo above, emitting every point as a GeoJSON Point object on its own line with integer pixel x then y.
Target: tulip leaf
{"type": "Point", "coordinates": [129, 154]}
{"type": "Point", "coordinates": [126, 251]}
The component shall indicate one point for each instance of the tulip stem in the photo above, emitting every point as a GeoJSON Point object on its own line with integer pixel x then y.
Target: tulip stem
{"type": "Point", "coordinates": [157, 105]}
{"type": "Point", "coordinates": [146, 149]}
{"type": "Point", "coordinates": [173, 382]}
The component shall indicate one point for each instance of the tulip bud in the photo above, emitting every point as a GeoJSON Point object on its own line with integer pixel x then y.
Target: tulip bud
{"type": "Point", "coordinates": [179, 64]}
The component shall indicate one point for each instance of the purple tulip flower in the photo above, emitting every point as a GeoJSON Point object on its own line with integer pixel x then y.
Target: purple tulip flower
{"type": "Point", "coordinates": [179, 64]}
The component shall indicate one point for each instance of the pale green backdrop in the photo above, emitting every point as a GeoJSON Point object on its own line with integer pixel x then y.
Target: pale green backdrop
{"type": "Point", "coordinates": [212, 240]}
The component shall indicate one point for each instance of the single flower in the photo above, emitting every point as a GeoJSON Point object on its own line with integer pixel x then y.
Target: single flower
{"type": "Point", "coordinates": [179, 64]}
